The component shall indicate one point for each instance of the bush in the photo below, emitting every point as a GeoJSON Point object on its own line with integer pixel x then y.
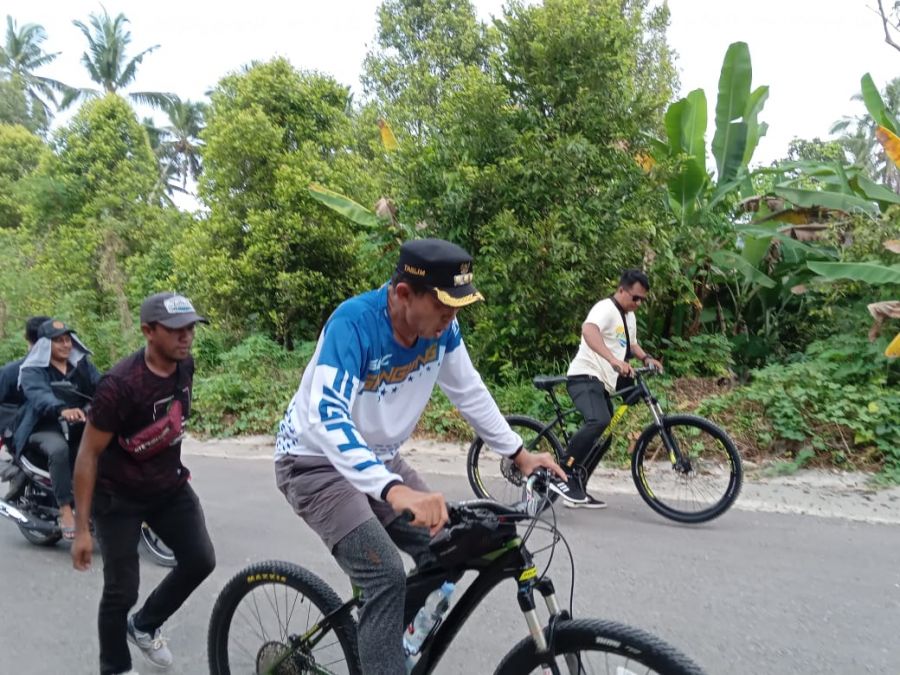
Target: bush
{"type": "Point", "coordinates": [249, 387]}
{"type": "Point", "coordinates": [839, 399]}
{"type": "Point", "coordinates": [705, 355]}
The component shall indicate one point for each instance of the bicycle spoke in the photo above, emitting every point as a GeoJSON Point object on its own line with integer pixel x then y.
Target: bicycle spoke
{"type": "Point", "coordinates": [701, 476]}
{"type": "Point", "coordinates": [265, 622]}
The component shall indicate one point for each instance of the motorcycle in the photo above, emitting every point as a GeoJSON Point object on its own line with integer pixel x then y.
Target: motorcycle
{"type": "Point", "coordinates": [31, 505]}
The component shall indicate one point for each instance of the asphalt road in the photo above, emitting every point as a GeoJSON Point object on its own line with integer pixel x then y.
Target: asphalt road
{"type": "Point", "coordinates": [749, 593]}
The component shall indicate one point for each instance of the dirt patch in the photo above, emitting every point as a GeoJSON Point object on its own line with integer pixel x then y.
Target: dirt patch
{"type": "Point", "coordinates": [689, 392]}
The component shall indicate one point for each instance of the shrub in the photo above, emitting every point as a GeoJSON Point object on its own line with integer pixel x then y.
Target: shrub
{"type": "Point", "coordinates": [249, 388]}
{"type": "Point", "coordinates": [840, 399]}
{"type": "Point", "coordinates": [704, 355]}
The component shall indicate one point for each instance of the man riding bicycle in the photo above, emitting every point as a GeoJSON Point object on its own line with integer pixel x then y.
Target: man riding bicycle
{"type": "Point", "coordinates": [600, 368]}
{"type": "Point", "coordinates": [360, 397]}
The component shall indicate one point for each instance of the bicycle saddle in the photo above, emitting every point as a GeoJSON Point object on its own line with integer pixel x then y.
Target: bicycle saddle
{"type": "Point", "coordinates": [547, 382]}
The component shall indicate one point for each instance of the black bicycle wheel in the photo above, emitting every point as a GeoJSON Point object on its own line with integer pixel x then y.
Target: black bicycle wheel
{"type": "Point", "coordinates": [495, 477]}
{"type": "Point", "coordinates": [154, 548]}
{"type": "Point", "coordinates": [702, 485]}
{"type": "Point", "coordinates": [267, 605]}
{"type": "Point", "coordinates": [594, 646]}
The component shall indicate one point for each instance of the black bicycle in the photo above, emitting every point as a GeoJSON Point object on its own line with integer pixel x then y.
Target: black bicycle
{"type": "Point", "coordinates": [685, 467]}
{"type": "Point", "coordinates": [277, 618]}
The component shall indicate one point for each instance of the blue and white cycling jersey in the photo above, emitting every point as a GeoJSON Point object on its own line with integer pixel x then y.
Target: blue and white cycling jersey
{"type": "Point", "coordinates": [362, 394]}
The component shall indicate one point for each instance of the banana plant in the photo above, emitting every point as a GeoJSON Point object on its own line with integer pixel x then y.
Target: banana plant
{"type": "Point", "coordinates": [382, 229]}
{"type": "Point", "coordinates": [691, 190]}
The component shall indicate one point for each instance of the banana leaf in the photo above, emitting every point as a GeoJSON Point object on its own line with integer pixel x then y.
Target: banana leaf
{"type": "Point", "coordinates": [693, 124]}
{"type": "Point", "coordinates": [875, 105]}
{"type": "Point", "coordinates": [674, 127]}
{"type": "Point", "coordinates": [828, 200]}
{"type": "Point", "coordinates": [879, 193]}
{"type": "Point", "coordinates": [348, 208]}
{"type": "Point", "coordinates": [685, 186]}
{"type": "Point", "coordinates": [755, 129]}
{"type": "Point", "coordinates": [731, 153]}
{"type": "Point", "coordinates": [731, 104]}
{"type": "Point", "coordinates": [871, 273]}
{"type": "Point", "coordinates": [729, 261]}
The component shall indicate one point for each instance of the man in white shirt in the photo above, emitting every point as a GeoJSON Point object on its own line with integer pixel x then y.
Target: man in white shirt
{"type": "Point", "coordinates": [336, 453]}
{"type": "Point", "coordinates": [601, 367]}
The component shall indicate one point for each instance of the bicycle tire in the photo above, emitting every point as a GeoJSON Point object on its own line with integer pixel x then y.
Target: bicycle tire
{"type": "Point", "coordinates": [712, 455]}
{"type": "Point", "coordinates": [155, 548]}
{"type": "Point", "coordinates": [615, 645]}
{"type": "Point", "coordinates": [493, 477]}
{"type": "Point", "coordinates": [313, 600]}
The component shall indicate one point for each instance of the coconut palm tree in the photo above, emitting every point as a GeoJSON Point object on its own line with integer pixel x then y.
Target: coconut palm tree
{"type": "Point", "coordinates": [107, 62]}
{"type": "Point", "coordinates": [177, 146]}
{"type": "Point", "coordinates": [181, 138]}
{"type": "Point", "coordinates": [21, 54]}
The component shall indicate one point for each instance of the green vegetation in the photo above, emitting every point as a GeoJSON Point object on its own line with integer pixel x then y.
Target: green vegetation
{"type": "Point", "coordinates": [549, 143]}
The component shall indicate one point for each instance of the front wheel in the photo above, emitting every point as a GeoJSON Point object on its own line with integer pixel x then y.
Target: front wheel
{"type": "Point", "coordinates": [269, 619]}
{"type": "Point", "coordinates": [154, 548]}
{"type": "Point", "coordinates": [596, 646]}
{"type": "Point", "coordinates": [689, 472]}
{"type": "Point", "coordinates": [493, 476]}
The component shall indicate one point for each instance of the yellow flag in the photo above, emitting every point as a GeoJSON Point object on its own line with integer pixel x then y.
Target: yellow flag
{"type": "Point", "coordinates": [387, 136]}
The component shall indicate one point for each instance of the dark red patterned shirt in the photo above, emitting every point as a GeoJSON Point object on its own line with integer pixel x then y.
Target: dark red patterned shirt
{"type": "Point", "coordinates": [130, 397]}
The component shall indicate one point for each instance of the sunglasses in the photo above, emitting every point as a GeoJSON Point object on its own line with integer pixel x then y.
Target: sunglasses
{"type": "Point", "coordinates": [638, 298]}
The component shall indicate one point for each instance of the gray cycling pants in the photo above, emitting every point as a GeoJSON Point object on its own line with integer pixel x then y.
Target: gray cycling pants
{"type": "Point", "coordinates": [369, 556]}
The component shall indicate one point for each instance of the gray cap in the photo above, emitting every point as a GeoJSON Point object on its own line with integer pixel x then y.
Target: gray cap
{"type": "Point", "coordinates": [169, 309]}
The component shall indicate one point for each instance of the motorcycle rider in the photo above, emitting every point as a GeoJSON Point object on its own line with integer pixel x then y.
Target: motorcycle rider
{"type": "Point", "coordinates": [11, 400]}
{"type": "Point", "coordinates": [58, 356]}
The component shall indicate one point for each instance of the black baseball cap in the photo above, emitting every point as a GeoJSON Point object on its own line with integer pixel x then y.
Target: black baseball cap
{"type": "Point", "coordinates": [169, 309]}
{"type": "Point", "coordinates": [443, 266]}
{"type": "Point", "coordinates": [53, 328]}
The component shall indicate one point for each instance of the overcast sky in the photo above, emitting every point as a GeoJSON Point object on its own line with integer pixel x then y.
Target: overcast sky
{"type": "Point", "coordinates": [811, 53]}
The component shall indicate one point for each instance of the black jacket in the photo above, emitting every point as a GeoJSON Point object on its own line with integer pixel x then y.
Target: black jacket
{"type": "Point", "coordinates": [40, 401]}
{"type": "Point", "coordinates": [9, 383]}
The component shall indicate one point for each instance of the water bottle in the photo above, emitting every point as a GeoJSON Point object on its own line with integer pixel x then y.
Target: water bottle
{"type": "Point", "coordinates": [428, 615]}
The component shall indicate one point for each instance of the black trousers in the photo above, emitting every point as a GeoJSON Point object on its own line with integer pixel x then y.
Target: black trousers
{"type": "Point", "coordinates": [179, 522]}
{"type": "Point", "coordinates": [590, 397]}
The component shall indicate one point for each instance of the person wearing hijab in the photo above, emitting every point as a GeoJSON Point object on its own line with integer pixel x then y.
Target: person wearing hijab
{"type": "Point", "coordinates": [57, 357]}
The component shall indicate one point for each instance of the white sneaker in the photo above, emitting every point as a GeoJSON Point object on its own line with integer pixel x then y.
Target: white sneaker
{"type": "Point", "coordinates": [153, 646]}
{"type": "Point", "coordinates": [591, 503]}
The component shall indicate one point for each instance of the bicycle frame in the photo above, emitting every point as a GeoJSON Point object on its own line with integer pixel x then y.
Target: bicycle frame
{"type": "Point", "coordinates": [629, 395]}
{"type": "Point", "coordinates": [512, 561]}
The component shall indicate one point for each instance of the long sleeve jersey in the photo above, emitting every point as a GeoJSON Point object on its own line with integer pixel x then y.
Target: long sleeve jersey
{"type": "Point", "coordinates": [362, 394]}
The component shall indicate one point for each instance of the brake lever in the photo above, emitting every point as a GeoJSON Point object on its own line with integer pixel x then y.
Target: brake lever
{"type": "Point", "coordinates": [531, 501]}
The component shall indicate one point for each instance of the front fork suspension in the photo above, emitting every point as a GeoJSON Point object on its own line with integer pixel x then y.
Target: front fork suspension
{"type": "Point", "coordinates": [527, 605]}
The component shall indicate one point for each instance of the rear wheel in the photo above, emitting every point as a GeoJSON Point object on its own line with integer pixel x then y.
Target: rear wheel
{"type": "Point", "coordinates": [43, 505]}
{"type": "Point", "coordinates": [594, 646]}
{"type": "Point", "coordinates": [700, 486]}
{"type": "Point", "coordinates": [493, 476]}
{"type": "Point", "coordinates": [265, 621]}
{"type": "Point", "coordinates": [39, 538]}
